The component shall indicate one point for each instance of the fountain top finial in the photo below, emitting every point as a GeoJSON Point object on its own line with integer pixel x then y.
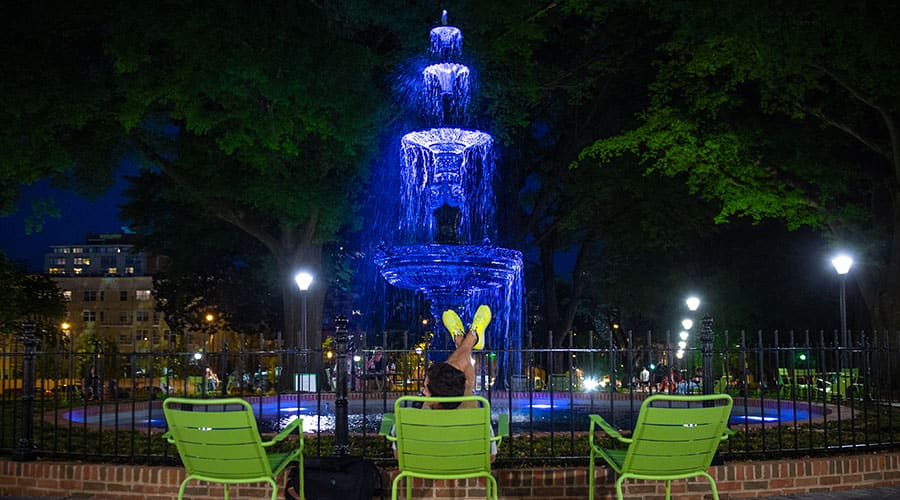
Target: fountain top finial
{"type": "Point", "coordinates": [444, 17]}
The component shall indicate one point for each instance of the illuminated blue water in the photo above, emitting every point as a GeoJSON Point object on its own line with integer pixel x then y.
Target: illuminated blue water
{"type": "Point", "coordinates": [538, 415]}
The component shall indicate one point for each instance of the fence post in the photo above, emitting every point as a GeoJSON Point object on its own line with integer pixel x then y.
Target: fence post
{"type": "Point", "coordinates": [224, 369]}
{"type": "Point", "coordinates": [25, 447]}
{"type": "Point", "coordinates": [341, 426]}
{"type": "Point", "coordinates": [706, 353]}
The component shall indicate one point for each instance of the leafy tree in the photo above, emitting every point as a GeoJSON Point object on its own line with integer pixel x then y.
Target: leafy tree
{"type": "Point", "coordinates": [29, 298]}
{"type": "Point", "coordinates": [554, 76]}
{"type": "Point", "coordinates": [56, 103]}
{"type": "Point", "coordinates": [262, 114]}
{"type": "Point", "coordinates": [782, 111]}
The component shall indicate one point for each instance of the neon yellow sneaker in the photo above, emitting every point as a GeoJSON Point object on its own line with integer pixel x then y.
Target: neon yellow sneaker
{"type": "Point", "coordinates": [479, 324]}
{"type": "Point", "coordinates": [452, 323]}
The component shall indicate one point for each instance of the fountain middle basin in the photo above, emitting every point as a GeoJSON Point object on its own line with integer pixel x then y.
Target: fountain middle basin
{"type": "Point", "coordinates": [434, 268]}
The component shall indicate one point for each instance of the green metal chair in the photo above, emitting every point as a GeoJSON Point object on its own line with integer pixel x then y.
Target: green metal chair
{"type": "Point", "coordinates": [675, 437]}
{"type": "Point", "coordinates": [848, 384]}
{"type": "Point", "coordinates": [218, 442]}
{"type": "Point", "coordinates": [443, 444]}
{"type": "Point", "coordinates": [785, 383]}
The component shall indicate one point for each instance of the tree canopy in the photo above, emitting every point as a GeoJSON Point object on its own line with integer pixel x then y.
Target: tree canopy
{"type": "Point", "coordinates": [786, 112]}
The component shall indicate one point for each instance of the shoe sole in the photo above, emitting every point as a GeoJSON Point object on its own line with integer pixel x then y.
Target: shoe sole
{"type": "Point", "coordinates": [479, 323]}
{"type": "Point", "coordinates": [452, 323]}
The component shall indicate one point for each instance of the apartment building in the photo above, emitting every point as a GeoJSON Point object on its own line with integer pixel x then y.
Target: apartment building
{"type": "Point", "coordinates": [108, 288]}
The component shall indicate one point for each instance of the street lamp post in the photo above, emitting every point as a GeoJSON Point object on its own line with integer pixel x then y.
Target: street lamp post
{"type": "Point", "coordinates": [303, 280]}
{"type": "Point", "coordinates": [842, 264]}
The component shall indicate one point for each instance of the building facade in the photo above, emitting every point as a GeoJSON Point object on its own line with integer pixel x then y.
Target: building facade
{"type": "Point", "coordinates": [108, 288]}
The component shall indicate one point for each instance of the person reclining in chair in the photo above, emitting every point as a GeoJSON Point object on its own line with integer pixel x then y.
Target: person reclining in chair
{"type": "Point", "coordinates": [456, 376]}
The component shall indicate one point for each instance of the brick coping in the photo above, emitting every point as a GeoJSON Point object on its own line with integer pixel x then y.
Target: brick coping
{"type": "Point", "coordinates": [746, 479]}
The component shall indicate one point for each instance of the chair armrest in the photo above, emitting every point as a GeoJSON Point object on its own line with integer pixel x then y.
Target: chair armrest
{"type": "Point", "coordinates": [502, 425]}
{"type": "Point", "coordinates": [608, 429]}
{"type": "Point", "coordinates": [728, 433]}
{"type": "Point", "coordinates": [387, 424]}
{"type": "Point", "coordinates": [168, 437]}
{"type": "Point", "coordinates": [296, 423]}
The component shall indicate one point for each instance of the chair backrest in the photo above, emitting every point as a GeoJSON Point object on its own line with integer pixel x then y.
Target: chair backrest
{"type": "Point", "coordinates": [850, 373]}
{"type": "Point", "coordinates": [217, 438]}
{"type": "Point", "coordinates": [677, 435]}
{"type": "Point", "coordinates": [443, 442]}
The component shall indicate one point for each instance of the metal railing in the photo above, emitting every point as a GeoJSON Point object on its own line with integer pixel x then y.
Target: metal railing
{"type": "Point", "coordinates": [794, 393]}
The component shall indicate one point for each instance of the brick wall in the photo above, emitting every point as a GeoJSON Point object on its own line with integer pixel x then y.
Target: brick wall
{"type": "Point", "coordinates": [735, 480]}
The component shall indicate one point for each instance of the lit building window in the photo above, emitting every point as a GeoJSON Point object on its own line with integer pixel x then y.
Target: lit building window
{"type": "Point", "coordinates": [142, 294]}
{"type": "Point", "coordinates": [67, 295]}
{"type": "Point", "coordinates": [77, 270]}
{"type": "Point", "coordinates": [81, 261]}
{"type": "Point", "coordinates": [59, 262]}
{"type": "Point", "coordinates": [129, 270]}
{"type": "Point", "coordinates": [77, 250]}
{"type": "Point", "coordinates": [56, 270]}
{"type": "Point", "coordinates": [111, 270]}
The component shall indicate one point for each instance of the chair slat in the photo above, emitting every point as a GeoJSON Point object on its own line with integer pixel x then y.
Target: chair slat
{"type": "Point", "coordinates": [681, 433]}
{"type": "Point", "coordinates": [218, 420]}
{"type": "Point", "coordinates": [446, 432]}
{"type": "Point", "coordinates": [442, 464]}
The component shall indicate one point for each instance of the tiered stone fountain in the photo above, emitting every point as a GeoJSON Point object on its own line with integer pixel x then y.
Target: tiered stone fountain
{"type": "Point", "coordinates": [443, 238]}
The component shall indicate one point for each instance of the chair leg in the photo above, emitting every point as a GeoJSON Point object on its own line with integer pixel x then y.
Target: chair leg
{"type": "Point", "coordinates": [591, 477]}
{"type": "Point", "coordinates": [668, 490]}
{"type": "Point", "coordinates": [712, 486]}
{"type": "Point", "coordinates": [394, 486]}
{"type": "Point", "coordinates": [183, 486]}
{"type": "Point", "coordinates": [619, 487]}
{"type": "Point", "coordinates": [493, 488]}
{"type": "Point", "coordinates": [226, 491]}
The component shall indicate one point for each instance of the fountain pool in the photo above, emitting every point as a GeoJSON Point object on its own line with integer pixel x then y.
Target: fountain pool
{"type": "Point", "coordinates": [541, 413]}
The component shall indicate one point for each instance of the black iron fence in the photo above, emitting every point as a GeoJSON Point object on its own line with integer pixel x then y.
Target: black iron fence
{"type": "Point", "coordinates": [794, 392]}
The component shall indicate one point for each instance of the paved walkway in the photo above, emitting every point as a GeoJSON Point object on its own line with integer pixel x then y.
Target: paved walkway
{"type": "Point", "coordinates": [887, 493]}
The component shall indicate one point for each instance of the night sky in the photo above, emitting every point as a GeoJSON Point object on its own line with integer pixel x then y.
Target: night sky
{"type": "Point", "coordinates": [78, 217]}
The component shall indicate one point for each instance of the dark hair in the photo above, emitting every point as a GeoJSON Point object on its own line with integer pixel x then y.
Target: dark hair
{"type": "Point", "coordinates": [444, 381]}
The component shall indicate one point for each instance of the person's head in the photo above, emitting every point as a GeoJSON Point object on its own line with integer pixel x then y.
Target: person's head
{"type": "Point", "coordinates": [378, 353]}
{"type": "Point", "coordinates": [443, 380]}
